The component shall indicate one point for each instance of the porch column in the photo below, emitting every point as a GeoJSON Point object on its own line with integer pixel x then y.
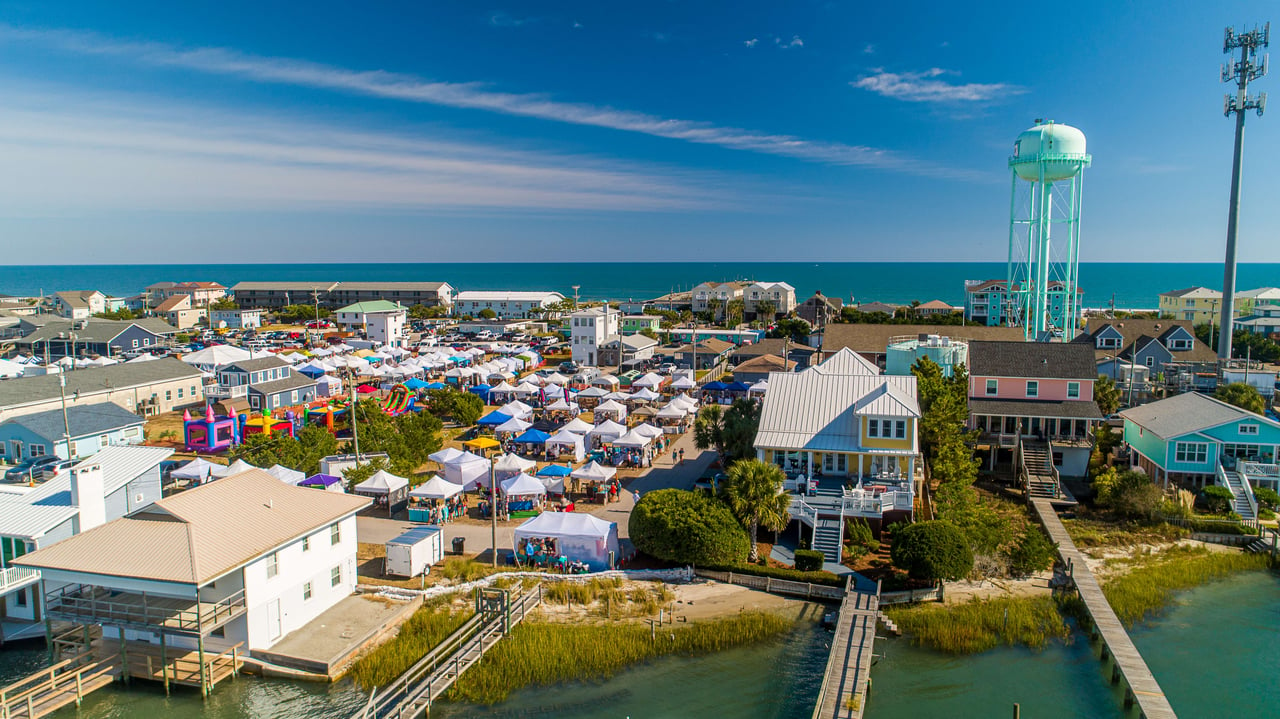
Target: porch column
{"type": "Point", "coordinates": [858, 458]}
{"type": "Point", "coordinates": [204, 686]}
{"type": "Point", "coordinates": [911, 469]}
{"type": "Point", "coordinates": [809, 464]}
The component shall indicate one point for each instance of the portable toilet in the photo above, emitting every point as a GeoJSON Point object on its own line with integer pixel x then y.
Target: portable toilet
{"type": "Point", "coordinates": [413, 552]}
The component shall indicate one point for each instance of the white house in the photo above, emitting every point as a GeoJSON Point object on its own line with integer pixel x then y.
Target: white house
{"type": "Point", "coordinates": [780, 294]}
{"type": "Point", "coordinates": [243, 560]}
{"type": "Point", "coordinates": [715, 294]}
{"type": "Point", "coordinates": [589, 329]}
{"type": "Point", "coordinates": [79, 304]}
{"type": "Point", "coordinates": [380, 320]}
{"type": "Point", "coordinates": [241, 319]}
{"type": "Point", "coordinates": [505, 305]}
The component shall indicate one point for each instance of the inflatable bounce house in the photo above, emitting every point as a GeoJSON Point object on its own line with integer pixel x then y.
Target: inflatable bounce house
{"type": "Point", "coordinates": [266, 424]}
{"type": "Point", "coordinates": [400, 400]}
{"type": "Point", "coordinates": [324, 414]}
{"type": "Point", "coordinates": [210, 433]}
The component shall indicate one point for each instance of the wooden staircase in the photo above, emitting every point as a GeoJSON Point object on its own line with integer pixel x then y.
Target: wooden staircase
{"type": "Point", "coordinates": [1040, 477]}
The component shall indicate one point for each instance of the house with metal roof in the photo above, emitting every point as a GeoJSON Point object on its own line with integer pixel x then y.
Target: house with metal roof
{"type": "Point", "coordinates": [1034, 393]}
{"type": "Point", "coordinates": [146, 388]}
{"type": "Point", "coordinates": [108, 485]}
{"type": "Point", "coordinates": [233, 565]}
{"type": "Point", "coordinates": [1193, 439]}
{"type": "Point", "coordinates": [378, 320]}
{"type": "Point", "coordinates": [92, 427]}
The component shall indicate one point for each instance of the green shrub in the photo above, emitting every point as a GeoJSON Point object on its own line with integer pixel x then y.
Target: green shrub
{"type": "Point", "coordinates": [809, 560]}
{"type": "Point", "coordinates": [1264, 513]}
{"type": "Point", "coordinates": [1218, 499]}
{"type": "Point", "coordinates": [1267, 497]}
{"type": "Point", "coordinates": [791, 575]}
{"type": "Point", "coordinates": [932, 550]}
{"type": "Point", "coordinates": [858, 532]}
{"type": "Point", "coordinates": [1221, 526]}
{"type": "Point", "coordinates": [688, 528]}
{"type": "Point", "coordinates": [1033, 552]}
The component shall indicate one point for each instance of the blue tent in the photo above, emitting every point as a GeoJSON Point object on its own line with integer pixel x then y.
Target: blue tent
{"type": "Point", "coordinates": [434, 385]}
{"type": "Point", "coordinates": [533, 436]}
{"type": "Point", "coordinates": [415, 384]}
{"type": "Point", "coordinates": [311, 372]}
{"type": "Point", "coordinates": [738, 387]}
{"type": "Point", "coordinates": [480, 389]}
{"type": "Point", "coordinates": [716, 386]}
{"type": "Point", "coordinates": [494, 418]}
{"type": "Point", "coordinates": [554, 470]}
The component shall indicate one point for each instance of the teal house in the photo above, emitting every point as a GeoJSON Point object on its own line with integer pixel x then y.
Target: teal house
{"type": "Point", "coordinates": [1193, 440]}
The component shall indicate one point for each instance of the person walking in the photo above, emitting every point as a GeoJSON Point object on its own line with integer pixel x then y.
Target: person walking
{"type": "Point", "coordinates": [635, 496]}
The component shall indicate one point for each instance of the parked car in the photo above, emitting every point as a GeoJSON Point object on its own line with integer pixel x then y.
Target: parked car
{"type": "Point", "coordinates": [31, 468]}
{"type": "Point", "coordinates": [569, 367]}
{"type": "Point", "coordinates": [53, 469]}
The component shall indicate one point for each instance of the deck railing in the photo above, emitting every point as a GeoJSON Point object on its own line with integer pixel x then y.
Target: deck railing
{"type": "Point", "coordinates": [99, 605]}
{"type": "Point", "coordinates": [14, 577]}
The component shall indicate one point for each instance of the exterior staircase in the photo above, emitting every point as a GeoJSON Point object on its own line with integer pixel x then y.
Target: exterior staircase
{"type": "Point", "coordinates": [828, 538]}
{"type": "Point", "coordinates": [1041, 478]}
{"type": "Point", "coordinates": [1240, 503]}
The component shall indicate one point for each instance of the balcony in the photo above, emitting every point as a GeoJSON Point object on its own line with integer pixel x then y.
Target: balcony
{"type": "Point", "coordinates": [13, 578]}
{"type": "Point", "coordinates": [89, 604]}
{"type": "Point", "coordinates": [218, 392]}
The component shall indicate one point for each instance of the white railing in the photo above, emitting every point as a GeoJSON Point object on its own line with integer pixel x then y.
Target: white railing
{"type": "Point", "coordinates": [223, 392]}
{"type": "Point", "coordinates": [14, 577]}
{"type": "Point", "coordinates": [1244, 484]}
{"type": "Point", "coordinates": [804, 511]}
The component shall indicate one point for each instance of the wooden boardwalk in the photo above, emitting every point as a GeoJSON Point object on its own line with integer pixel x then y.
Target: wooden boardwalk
{"type": "Point", "coordinates": [844, 687]}
{"type": "Point", "coordinates": [1127, 664]}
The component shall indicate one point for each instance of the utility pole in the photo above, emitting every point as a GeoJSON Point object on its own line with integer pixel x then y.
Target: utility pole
{"type": "Point", "coordinates": [1241, 72]}
{"type": "Point", "coordinates": [493, 510]}
{"type": "Point", "coordinates": [66, 421]}
{"type": "Point", "coordinates": [355, 424]}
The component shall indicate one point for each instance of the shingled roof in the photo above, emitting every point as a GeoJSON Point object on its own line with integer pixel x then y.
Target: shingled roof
{"type": "Point", "coordinates": [1033, 360]}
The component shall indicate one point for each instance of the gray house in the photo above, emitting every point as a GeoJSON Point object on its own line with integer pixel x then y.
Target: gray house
{"type": "Point", "coordinates": [1124, 347]}
{"type": "Point", "coordinates": [106, 486]}
{"type": "Point", "coordinates": [105, 338]}
{"type": "Point", "coordinates": [267, 383]}
{"type": "Point", "coordinates": [93, 427]}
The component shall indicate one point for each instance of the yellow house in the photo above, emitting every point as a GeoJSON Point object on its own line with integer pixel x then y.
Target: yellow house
{"type": "Point", "coordinates": [1201, 305]}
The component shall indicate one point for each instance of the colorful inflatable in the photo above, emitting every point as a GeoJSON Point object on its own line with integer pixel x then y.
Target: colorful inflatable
{"type": "Point", "coordinates": [210, 433]}
{"type": "Point", "coordinates": [399, 401]}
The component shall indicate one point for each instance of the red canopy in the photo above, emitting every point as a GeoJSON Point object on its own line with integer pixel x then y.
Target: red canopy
{"type": "Point", "coordinates": [366, 389]}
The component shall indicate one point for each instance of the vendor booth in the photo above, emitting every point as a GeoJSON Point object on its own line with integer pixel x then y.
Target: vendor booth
{"type": "Point", "coordinates": [570, 541]}
{"type": "Point", "coordinates": [327, 482]}
{"type": "Point", "coordinates": [462, 468]}
{"type": "Point", "coordinates": [564, 443]}
{"type": "Point", "coordinates": [436, 501]}
{"type": "Point", "coordinates": [389, 492]}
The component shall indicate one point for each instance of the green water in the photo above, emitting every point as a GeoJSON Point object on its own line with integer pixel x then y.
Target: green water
{"type": "Point", "coordinates": [1213, 651]}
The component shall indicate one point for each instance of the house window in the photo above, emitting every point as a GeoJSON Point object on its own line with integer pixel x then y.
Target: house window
{"type": "Point", "coordinates": [335, 576]}
{"type": "Point", "coordinates": [22, 598]}
{"type": "Point", "coordinates": [900, 429]}
{"type": "Point", "coordinates": [993, 386]}
{"type": "Point", "coordinates": [35, 450]}
{"type": "Point", "coordinates": [1251, 429]}
{"type": "Point", "coordinates": [1150, 362]}
{"type": "Point", "coordinates": [273, 564]}
{"type": "Point", "coordinates": [335, 533]}
{"type": "Point", "coordinates": [873, 428]}
{"type": "Point", "coordinates": [135, 344]}
{"type": "Point", "coordinates": [1033, 388]}
{"type": "Point", "coordinates": [179, 393]}
{"type": "Point", "coordinates": [1191, 452]}
{"type": "Point", "coordinates": [306, 544]}
{"type": "Point", "coordinates": [1073, 390]}
{"type": "Point", "coordinates": [306, 592]}
{"type": "Point", "coordinates": [1180, 344]}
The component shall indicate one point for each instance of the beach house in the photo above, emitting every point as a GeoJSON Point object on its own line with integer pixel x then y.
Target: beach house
{"type": "Point", "coordinates": [589, 330]}
{"type": "Point", "coordinates": [779, 298]}
{"type": "Point", "coordinates": [989, 302]}
{"type": "Point", "coordinates": [505, 305]}
{"type": "Point", "coordinates": [634, 324]}
{"type": "Point", "coordinates": [59, 338]}
{"type": "Point", "coordinates": [1193, 440]}
{"type": "Point", "coordinates": [267, 383]}
{"type": "Point", "coordinates": [180, 311]}
{"type": "Point", "coordinates": [146, 388]}
{"type": "Point", "coordinates": [380, 321]}
{"type": "Point", "coordinates": [1136, 352]}
{"type": "Point", "coordinates": [713, 297]}
{"type": "Point", "coordinates": [819, 309]}
{"type": "Point", "coordinates": [79, 304]}
{"type": "Point", "coordinates": [332, 295]}
{"type": "Point", "coordinates": [92, 427]}
{"type": "Point", "coordinates": [240, 562]}
{"type": "Point", "coordinates": [238, 319]}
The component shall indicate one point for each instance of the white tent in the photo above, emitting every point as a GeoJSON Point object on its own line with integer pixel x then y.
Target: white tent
{"type": "Point", "coordinates": [564, 438]}
{"type": "Point", "coordinates": [632, 439]}
{"type": "Point", "coordinates": [561, 405]}
{"type": "Point", "coordinates": [197, 469]}
{"type": "Point", "coordinates": [760, 387]}
{"type": "Point", "coordinates": [436, 488]}
{"type": "Point", "coordinates": [525, 389]}
{"type": "Point", "coordinates": [578, 426]}
{"type": "Point", "coordinates": [594, 472]}
{"type": "Point", "coordinates": [684, 401]}
{"type": "Point", "coordinates": [556, 378]}
{"type": "Point", "coordinates": [515, 424]}
{"type": "Point", "coordinates": [513, 463]}
{"type": "Point", "coordinates": [211, 358]}
{"type": "Point", "coordinates": [328, 386]}
{"type": "Point", "coordinates": [516, 409]}
{"type": "Point", "coordinates": [683, 382]}
{"type": "Point", "coordinates": [382, 482]}
{"type": "Point", "coordinates": [607, 430]}
{"type": "Point", "coordinates": [148, 357]}
{"type": "Point", "coordinates": [671, 411]}
{"type": "Point", "coordinates": [450, 455]}
{"type": "Point", "coordinates": [650, 380]}
{"type": "Point", "coordinates": [616, 410]}
{"type": "Point", "coordinates": [286, 475]}
{"type": "Point", "coordinates": [647, 430]}
{"type": "Point", "coordinates": [235, 467]}
{"type": "Point", "coordinates": [596, 392]}
{"type": "Point", "coordinates": [462, 468]}
{"type": "Point", "coordinates": [553, 485]}
{"type": "Point", "coordinates": [644, 394]}
{"type": "Point", "coordinates": [580, 537]}
{"type": "Point", "coordinates": [522, 485]}
{"type": "Point", "coordinates": [604, 382]}
{"type": "Point", "coordinates": [14, 369]}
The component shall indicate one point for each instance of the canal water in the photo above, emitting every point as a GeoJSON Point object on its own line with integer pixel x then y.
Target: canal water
{"type": "Point", "coordinates": [1213, 652]}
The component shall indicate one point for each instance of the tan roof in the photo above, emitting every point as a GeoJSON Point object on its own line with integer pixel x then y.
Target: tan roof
{"type": "Point", "coordinates": [935, 305]}
{"type": "Point", "coordinates": [766, 363]}
{"type": "Point", "coordinates": [875, 338]}
{"type": "Point", "coordinates": [196, 536]}
{"type": "Point", "coordinates": [177, 302]}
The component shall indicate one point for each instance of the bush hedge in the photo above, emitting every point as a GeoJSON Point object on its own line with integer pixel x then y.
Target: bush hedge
{"type": "Point", "coordinates": [932, 550]}
{"type": "Point", "coordinates": [809, 560]}
{"type": "Point", "coordinates": [676, 525]}
{"type": "Point", "coordinates": [791, 575]}
{"type": "Point", "coordinates": [1218, 527]}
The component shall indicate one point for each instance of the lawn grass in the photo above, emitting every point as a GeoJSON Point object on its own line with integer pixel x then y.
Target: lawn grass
{"type": "Point", "coordinates": [982, 624]}
{"type": "Point", "coordinates": [546, 653]}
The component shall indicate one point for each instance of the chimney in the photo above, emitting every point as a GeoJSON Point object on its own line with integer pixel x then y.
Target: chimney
{"type": "Point", "coordinates": [87, 489]}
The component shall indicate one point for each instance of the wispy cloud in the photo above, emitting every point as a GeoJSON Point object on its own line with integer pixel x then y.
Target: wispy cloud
{"type": "Point", "coordinates": [65, 153]}
{"type": "Point", "coordinates": [869, 49]}
{"type": "Point", "coordinates": [499, 18]}
{"type": "Point", "coordinates": [929, 86]}
{"type": "Point", "coordinates": [752, 42]}
{"type": "Point", "coordinates": [795, 41]}
{"type": "Point", "coordinates": [474, 96]}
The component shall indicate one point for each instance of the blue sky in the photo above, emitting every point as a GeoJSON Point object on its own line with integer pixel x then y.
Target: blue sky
{"type": "Point", "coordinates": [826, 131]}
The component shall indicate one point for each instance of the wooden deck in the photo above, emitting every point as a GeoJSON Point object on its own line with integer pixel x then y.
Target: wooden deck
{"type": "Point", "coordinates": [172, 665]}
{"type": "Point", "coordinates": [51, 689]}
{"type": "Point", "coordinates": [1126, 663]}
{"type": "Point", "coordinates": [844, 687]}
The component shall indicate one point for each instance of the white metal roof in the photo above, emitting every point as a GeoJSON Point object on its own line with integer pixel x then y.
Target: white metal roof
{"type": "Point", "coordinates": [823, 411]}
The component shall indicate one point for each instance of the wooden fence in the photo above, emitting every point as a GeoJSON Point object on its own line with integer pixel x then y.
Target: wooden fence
{"type": "Point", "coordinates": [806, 590]}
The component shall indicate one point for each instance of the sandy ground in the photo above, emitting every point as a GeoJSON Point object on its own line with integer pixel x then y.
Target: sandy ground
{"type": "Point", "coordinates": [961, 592]}
{"type": "Point", "coordinates": [1098, 558]}
{"type": "Point", "coordinates": [701, 600]}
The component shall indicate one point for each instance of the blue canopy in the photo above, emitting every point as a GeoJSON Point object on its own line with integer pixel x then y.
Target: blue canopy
{"type": "Point", "coordinates": [311, 372]}
{"type": "Point", "coordinates": [533, 436]}
{"type": "Point", "coordinates": [416, 384]}
{"type": "Point", "coordinates": [434, 385]}
{"type": "Point", "coordinates": [460, 360]}
{"type": "Point", "coordinates": [554, 470]}
{"type": "Point", "coordinates": [716, 386]}
{"type": "Point", "coordinates": [494, 418]}
{"type": "Point", "coordinates": [738, 387]}
{"type": "Point", "coordinates": [480, 389]}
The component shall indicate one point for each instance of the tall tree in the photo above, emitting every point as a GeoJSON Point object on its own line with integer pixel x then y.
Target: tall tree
{"type": "Point", "coordinates": [1242, 395]}
{"type": "Point", "coordinates": [754, 494]}
{"type": "Point", "coordinates": [708, 430]}
{"type": "Point", "coordinates": [1106, 395]}
{"type": "Point", "coordinates": [766, 309]}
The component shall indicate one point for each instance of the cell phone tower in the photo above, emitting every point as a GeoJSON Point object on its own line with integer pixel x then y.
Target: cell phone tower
{"type": "Point", "coordinates": [1047, 168]}
{"type": "Point", "coordinates": [1240, 72]}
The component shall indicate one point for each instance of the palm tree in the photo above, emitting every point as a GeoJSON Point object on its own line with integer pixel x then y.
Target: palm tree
{"type": "Point", "coordinates": [754, 494]}
{"type": "Point", "coordinates": [708, 430]}
{"type": "Point", "coordinates": [733, 311]}
{"type": "Point", "coordinates": [766, 310]}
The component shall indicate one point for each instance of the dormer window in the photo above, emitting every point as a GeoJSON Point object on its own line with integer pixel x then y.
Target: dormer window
{"type": "Point", "coordinates": [1033, 388]}
{"type": "Point", "coordinates": [1180, 344]}
{"type": "Point", "coordinates": [1108, 343]}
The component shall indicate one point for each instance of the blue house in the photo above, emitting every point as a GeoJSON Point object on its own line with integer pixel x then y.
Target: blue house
{"type": "Point", "coordinates": [1195, 440]}
{"type": "Point", "coordinates": [93, 426]}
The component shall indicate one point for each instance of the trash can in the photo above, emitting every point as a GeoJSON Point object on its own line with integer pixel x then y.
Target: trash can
{"type": "Point", "coordinates": [458, 544]}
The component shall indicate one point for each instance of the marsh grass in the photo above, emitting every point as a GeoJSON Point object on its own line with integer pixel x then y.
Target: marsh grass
{"type": "Point", "coordinates": [547, 654]}
{"type": "Point", "coordinates": [428, 626]}
{"type": "Point", "coordinates": [1153, 579]}
{"type": "Point", "coordinates": [1091, 533]}
{"type": "Point", "coordinates": [610, 597]}
{"type": "Point", "coordinates": [466, 570]}
{"type": "Point", "coordinates": [979, 625]}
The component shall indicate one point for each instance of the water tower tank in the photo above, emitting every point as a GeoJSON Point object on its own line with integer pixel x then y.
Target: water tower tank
{"type": "Point", "coordinates": [1059, 148]}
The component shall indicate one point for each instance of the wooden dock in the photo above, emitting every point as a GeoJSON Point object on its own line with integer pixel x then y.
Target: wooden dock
{"type": "Point", "coordinates": [1127, 664]}
{"type": "Point", "coordinates": [845, 684]}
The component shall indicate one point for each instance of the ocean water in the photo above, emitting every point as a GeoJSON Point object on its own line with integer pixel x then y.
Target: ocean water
{"type": "Point", "coordinates": [1131, 284]}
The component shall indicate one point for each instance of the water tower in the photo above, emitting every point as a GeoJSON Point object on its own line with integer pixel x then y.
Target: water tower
{"type": "Point", "coordinates": [1044, 230]}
